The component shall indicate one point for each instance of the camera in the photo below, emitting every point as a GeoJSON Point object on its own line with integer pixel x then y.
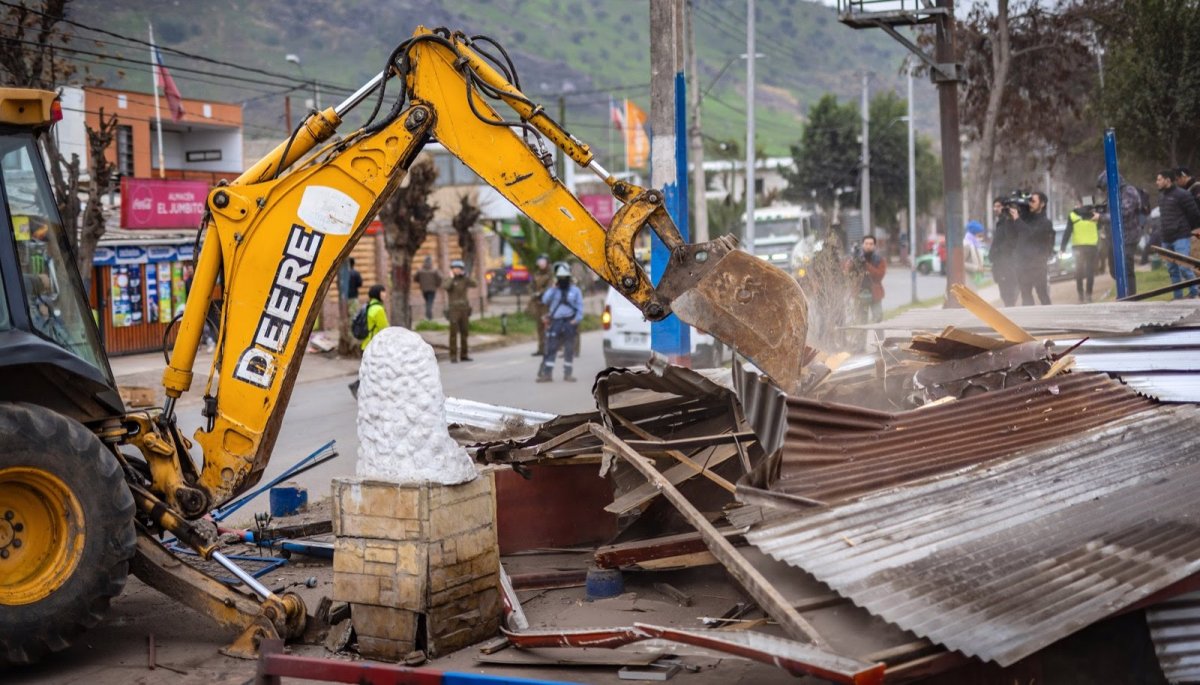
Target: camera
{"type": "Point", "coordinates": [1018, 200]}
{"type": "Point", "coordinates": [1089, 209]}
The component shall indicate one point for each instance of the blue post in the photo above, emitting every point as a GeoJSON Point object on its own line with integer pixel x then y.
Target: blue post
{"type": "Point", "coordinates": [671, 337]}
{"type": "Point", "coordinates": [1114, 210]}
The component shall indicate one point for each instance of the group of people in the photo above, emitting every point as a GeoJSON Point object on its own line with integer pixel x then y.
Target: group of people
{"type": "Point", "coordinates": [1022, 245]}
{"type": "Point", "coordinates": [1178, 221]}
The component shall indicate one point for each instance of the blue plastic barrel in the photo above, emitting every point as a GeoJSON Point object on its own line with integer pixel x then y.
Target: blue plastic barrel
{"type": "Point", "coordinates": [288, 499]}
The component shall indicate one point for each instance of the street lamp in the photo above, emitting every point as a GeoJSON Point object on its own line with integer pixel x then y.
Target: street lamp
{"type": "Point", "coordinates": [295, 59]}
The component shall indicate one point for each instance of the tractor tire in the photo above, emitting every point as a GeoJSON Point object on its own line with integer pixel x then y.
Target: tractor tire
{"type": "Point", "coordinates": [66, 531]}
{"type": "Point", "coordinates": [924, 268]}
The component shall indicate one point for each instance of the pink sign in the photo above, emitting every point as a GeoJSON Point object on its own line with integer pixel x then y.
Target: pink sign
{"type": "Point", "coordinates": [599, 206]}
{"type": "Point", "coordinates": [161, 203]}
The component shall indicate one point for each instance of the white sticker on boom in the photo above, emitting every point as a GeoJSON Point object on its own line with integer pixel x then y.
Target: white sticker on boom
{"type": "Point", "coordinates": [328, 210]}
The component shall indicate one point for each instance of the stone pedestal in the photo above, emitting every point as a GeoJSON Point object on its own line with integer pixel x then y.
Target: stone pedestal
{"type": "Point", "coordinates": [419, 564]}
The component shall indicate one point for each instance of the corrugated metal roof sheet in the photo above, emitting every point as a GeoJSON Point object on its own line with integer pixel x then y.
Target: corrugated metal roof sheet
{"type": "Point", "coordinates": [1175, 630]}
{"type": "Point", "coordinates": [1005, 559]}
{"type": "Point", "coordinates": [1164, 364]}
{"type": "Point", "coordinates": [489, 416]}
{"type": "Point", "coordinates": [834, 452]}
{"type": "Point", "coordinates": [1112, 317]}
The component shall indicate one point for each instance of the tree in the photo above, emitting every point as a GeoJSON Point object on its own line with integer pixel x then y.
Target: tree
{"type": "Point", "coordinates": [406, 216]}
{"type": "Point", "coordinates": [1152, 80]}
{"type": "Point", "coordinates": [827, 157]}
{"type": "Point", "coordinates": [102, 179]}
{"type": "Point", "coordinates": [1029, 76]}
{"type": "Point", "coordinates": [28, 59]}
{"type": "Point", "coordinates": [531, 240]}
{"type": "Point", "coordinates": [463, 222]}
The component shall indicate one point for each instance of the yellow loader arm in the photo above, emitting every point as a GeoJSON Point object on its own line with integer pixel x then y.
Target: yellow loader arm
{"type": "Point", "coordinates": [278, 234]}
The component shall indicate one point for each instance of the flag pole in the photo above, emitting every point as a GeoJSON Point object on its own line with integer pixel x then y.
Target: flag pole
{"type": "Point", "coordinates": [627, 134]}
{"type": "Point", "coordinates": [156, 67]}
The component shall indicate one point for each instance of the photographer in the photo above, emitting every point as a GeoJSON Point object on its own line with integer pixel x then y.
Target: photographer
{"type": "Point", "coordinates": [1034, 249]}
{"type": "Point", "coordinates": [870, 295]}
{"type": "Point", "coordinates": [1083, 234]}
{"type": "Point", "coordinates": [1009, 228]}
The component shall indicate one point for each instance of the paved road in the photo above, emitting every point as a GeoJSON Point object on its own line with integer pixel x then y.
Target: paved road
{"type": "Point", "coordinates": [322, 410]}
{"type": "Point", "coordinates": [897, 287]}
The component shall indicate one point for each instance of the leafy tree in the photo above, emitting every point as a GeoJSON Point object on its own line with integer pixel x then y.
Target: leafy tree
{"type": "Point", "coordinates": [827, 157]}
{"type": "Point", "coordinates": [29, 37]}
{"type": "Point", "coordinates": [1029, 77]}
{"type": "Point", "coordinates": [533, 240]}
{"type": "Point", "coordinates": [406, 216]}
{"type": "Point", "coordinates": [463, 222]}
{"type": "Point", "coordinates": [1152, 79]}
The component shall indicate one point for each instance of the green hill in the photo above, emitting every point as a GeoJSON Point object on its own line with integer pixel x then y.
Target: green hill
{"type": "Point", "coordinates": [583, 50]}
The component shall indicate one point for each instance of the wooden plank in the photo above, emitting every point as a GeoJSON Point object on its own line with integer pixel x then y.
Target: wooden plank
{"type": "Point", "coordinates": [750, 578]}
{"type": "Point", "coordinates": [675, 454]}
{"type": "Point", "coordinates": [991, 316]}
{"type": "Point", "coordinates": [639, 551]}
{"type": "Point", "coordinates": [675, 563]}
{"type": "Point", "coordinates": [569, 656]}
{"type": "Point", "coordinates": [676, 475]}
{"type": "Point", "coordinates": [974, 339]}
{"type": "Point", "coordinates": [697, 442]}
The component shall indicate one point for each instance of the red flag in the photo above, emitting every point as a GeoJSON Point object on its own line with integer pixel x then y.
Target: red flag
{"type": "Point", "coordinates": [162, 79]}
{"type": "Point", "coordinates": [637, 143]}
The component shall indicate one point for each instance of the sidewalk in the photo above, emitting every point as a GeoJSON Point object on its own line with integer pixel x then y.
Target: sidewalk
{"type": "Point", "coordinates": [145, 370]}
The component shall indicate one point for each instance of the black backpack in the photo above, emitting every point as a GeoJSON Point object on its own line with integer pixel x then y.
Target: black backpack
{"type": "Point", "coordinates": [358, 327]}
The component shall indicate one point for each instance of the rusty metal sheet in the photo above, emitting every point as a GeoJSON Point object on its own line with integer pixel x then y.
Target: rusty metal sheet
{"type": "Point", "coordinates": [756, 309]}
{"type": "Point", "coordinates": [794, 657]}
{"type": "Point", "coordinates": [1112, 317]}
{"type": "Point", "coordinates": [1175, 630]}
{"type": "Point", "coordinates": [1000, 561]}
{"type": "Point", "coordinates": [930, 441]}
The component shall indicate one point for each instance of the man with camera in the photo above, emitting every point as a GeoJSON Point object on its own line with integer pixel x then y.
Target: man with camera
{"type": "Point", "coordinates": [1180, 216]}
{"type": "Point", "coordinates": [1034, 249]}
{"type": "Point", "coordinates": [1083, 235]}
{"type": "Point", "coordinates": [1010, 231]}
{"type": "Point", "coordinates": [870, 291]}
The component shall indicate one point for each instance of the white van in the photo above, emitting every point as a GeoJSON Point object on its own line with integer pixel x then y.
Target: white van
{"type": "Point", "coordinates": [627, 337]}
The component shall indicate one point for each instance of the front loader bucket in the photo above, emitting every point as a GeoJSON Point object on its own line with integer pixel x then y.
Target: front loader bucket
{"type": "Point", "coordinates": [754, 308]}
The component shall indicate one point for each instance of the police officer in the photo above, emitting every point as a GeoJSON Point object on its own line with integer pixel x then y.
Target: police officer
{"type": "Point", "coordinates": [564, 303]}
{"type": "Point", "coordinates": [458, 310]}
{"type": "Point", "coordinates": [543, 278]}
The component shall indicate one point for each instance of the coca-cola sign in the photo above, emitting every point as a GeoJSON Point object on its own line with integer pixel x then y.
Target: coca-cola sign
{"type": "Point", "coordinates": [161, 203]}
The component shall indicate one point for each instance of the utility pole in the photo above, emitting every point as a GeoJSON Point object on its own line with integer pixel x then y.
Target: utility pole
{"type": "Point", "coordinates": [695, 133]}
{"type": "Point", "coordinates": [748, 239]}
{"type": "Point", "coordinates": [864, 176]}
{"type": "Point", "coordinates": [912, 189]}
{"type": "Point", "coordinates": [668, 156]}
{"type": "Point", "coordinates": [951, 150]}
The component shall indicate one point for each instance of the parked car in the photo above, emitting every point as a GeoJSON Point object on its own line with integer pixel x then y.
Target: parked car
{"type": "Point", "coordinates": [627, 336]}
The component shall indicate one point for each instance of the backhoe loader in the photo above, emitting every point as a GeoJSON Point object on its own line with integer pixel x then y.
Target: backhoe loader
{"type": "Point", "coordinates": [86, 485]}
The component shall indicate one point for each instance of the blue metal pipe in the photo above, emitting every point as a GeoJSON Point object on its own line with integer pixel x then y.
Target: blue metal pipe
{"type": "Point", "coordinates": [1114, 211]}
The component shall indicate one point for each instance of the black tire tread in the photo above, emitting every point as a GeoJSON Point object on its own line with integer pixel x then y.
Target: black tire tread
{"type": "Point", "coordinates": [26, 425]}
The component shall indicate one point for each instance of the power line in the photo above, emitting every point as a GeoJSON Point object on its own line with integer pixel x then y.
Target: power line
{"type": "Point", "coordinates": [201, 58]}
{"type": "Point", "coordinates": [194, 79]}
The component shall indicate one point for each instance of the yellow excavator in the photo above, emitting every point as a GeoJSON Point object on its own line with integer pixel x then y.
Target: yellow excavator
{"type": "Point", "coordinates": [86, 486]}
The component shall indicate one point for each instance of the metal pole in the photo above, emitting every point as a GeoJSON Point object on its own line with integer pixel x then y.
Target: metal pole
{"type": "Point", "coordinates": [864, 173]}
{"type": "Point", "coordinates": [695, 137]}
{"type": "Point", "coordinates": [250, 581]}
{"type": "Point", "coordinates": [748, 239]}
{"type": "Point", "coordinates": [1114, 211]}
{"type": "Point", "coordinates": [162, 169]}
{"type": "Point", "coordinates": [668, 156]}
{"type": "Point", "coordinates": [912, 190]}
{"type": "Point", "coordinates": [951, 149]}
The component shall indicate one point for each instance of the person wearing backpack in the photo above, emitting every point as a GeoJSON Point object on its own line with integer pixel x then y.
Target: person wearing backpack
{"type": "Point", "coordinates": [368, 322]}
{"type": "Point", "coordinates": [564, 306]}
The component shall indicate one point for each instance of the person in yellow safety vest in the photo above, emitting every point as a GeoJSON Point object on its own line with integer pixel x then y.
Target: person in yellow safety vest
{"type": "Point", "coordinates": [1083, 234]}
{"type": "Point", "coordinates": [376, 321]}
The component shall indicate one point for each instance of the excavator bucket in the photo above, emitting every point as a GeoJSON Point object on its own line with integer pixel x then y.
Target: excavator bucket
{"type": "Point", "coordinates": [746, 303]}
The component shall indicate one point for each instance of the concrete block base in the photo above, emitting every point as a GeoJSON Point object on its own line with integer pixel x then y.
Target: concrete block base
{"type": "Point", "coordinates": [418, 564]}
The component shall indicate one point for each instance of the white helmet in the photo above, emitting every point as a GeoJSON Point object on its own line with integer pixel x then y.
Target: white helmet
{"type": "Point", "coordinates": [562, 271]}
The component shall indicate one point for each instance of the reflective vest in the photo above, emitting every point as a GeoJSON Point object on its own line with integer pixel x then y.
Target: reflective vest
{"type": "Point", "coordinates": [1085, 231]}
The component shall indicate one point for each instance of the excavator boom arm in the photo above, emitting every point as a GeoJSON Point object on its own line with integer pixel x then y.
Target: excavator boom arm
{"type": "Point", "coordinates": [278, 234]}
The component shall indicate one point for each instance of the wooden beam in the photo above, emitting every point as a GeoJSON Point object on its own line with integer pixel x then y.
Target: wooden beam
{"type": "Point", "coordinates": [1161, 291]}
{"type": "Point", "coordinates": [674, 454]}
{"type": "Point", "coordinates": [676, 474]}
{"type": "Point", "coordinates": [990, 315]}
{"type": "Point", "coordinates": [755, 584]}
